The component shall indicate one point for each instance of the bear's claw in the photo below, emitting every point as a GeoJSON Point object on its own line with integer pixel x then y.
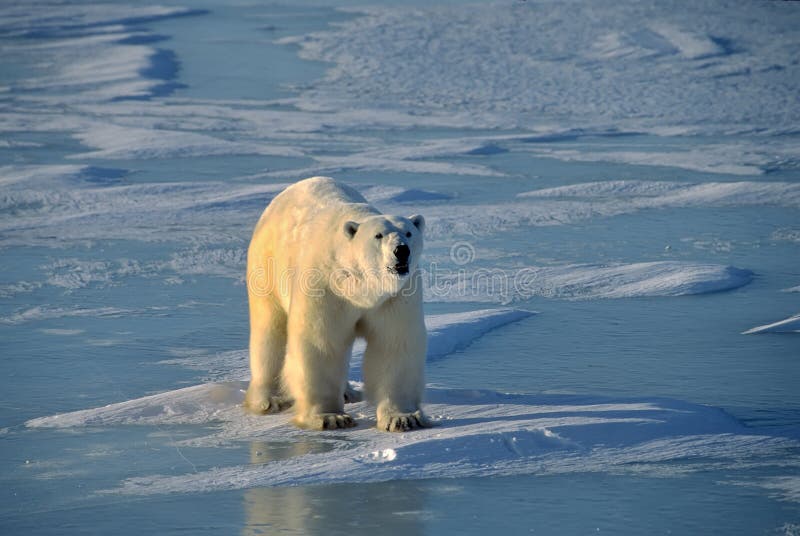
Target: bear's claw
{"type": "Point", "coordinates": [332, 421]}
{"type": "Point", "coordinates": [405, 422]}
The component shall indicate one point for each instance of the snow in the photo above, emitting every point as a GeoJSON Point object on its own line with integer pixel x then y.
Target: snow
{"type": "Point", "coordinates": [787, 325]}
{"type": "Point", "coordinates": [82, 203]}
{"type": "Point", "coordinates": [42, 312]}
{"type": "Point", "coordinates": [657, 194]}
{"type": "Point", "coordinates": [631, 63]}
{"type": "Point", "coordinates": [396, 194]}
{"type": "Point", "coordinates": [567, 205]}
{"type": "Point", "coordinates": [730, 160]}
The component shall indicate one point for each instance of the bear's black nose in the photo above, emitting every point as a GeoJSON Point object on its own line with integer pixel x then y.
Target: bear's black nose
{"type": "Point", "coordinates": [402, 253]}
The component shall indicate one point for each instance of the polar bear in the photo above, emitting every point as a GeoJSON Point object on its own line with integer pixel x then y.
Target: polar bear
{"type": "Point", "coordinates": [324, 268]}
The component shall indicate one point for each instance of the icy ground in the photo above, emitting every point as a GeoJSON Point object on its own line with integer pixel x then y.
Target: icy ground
{"type": "Point", "coordinates": [612, 195]}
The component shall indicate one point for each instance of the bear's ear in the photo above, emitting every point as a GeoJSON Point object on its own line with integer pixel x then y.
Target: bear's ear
{"type": "Point", "coordinates": [418, 221]}
{"type": "Point", "coordinates": [350, 228]}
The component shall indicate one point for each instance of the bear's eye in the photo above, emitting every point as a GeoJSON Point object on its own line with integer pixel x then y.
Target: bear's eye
{"type": "Point", "coordinates": [379, 236]}
{"type": "Point", "coordinates": [408, 234]}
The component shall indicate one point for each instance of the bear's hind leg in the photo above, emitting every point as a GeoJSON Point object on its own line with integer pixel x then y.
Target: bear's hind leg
{"type": "Point", "coordinates": [267, 353]}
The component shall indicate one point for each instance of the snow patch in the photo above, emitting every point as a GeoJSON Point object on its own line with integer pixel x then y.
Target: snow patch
{"type": "Point", "coordinates": [656, 194]}
{"type": "Point", "coordinates": [787, 325]}
{"type": "Point", "coordinates": [46, 313]}
{"type": "Point", "coordinates": [476, 433]}
{"type": "Point", "coordinates": [118, 142]}
{"type": "Point", "coordinates": [691, 45]}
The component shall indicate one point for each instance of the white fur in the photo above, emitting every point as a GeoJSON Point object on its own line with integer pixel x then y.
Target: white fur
{"type": "Point", "coordinates": [318, 278]}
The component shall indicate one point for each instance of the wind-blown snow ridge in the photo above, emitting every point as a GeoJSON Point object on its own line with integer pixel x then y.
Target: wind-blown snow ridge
{"type": "Point", "coordinates": [41, 19]}
{"type": "Point", "coordinates": [397, 194]}
{"type": "Point", "coordinates": [451, 332]}
{"type": "Point", "coordinates": [736, 158]}
{"type": "Point", "coordinates": [585, 281]}
{"type": "Point", "coordinates": [99, 56]}
{"type": "Point", "coordinates": [665, 194]}
{"type": "Point", "coordinates": [787, 325]}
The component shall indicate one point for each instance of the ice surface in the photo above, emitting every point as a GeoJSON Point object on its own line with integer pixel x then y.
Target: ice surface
{"type": "Point", "coordinates": [787, 325]}
{"type": "Point", "coordinates": [477, 433]}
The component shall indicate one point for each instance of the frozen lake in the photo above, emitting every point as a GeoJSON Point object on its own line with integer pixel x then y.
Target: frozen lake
{"type": "Point", "coordinates": [612, 197]}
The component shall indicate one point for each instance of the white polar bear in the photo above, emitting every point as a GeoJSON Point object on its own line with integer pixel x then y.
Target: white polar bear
{"type": "Point", "coordinates": [323, 268]}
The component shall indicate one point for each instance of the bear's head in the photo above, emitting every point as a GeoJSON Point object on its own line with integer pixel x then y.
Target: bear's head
{"type": "Point", "coordinates": [383, 253]}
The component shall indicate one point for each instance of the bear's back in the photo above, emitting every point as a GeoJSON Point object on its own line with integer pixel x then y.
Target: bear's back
{"type": "Point", "coordinates": [310, 199]}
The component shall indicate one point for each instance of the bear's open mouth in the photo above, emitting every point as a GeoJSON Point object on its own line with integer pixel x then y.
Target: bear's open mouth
{"type": "Point", "coordinates": [400, 269]}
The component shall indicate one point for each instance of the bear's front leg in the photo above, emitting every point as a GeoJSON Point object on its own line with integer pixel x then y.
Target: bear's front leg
{"type": "Point", "coordinates": [394, 363]}
{"type": "Point", "coordinates": [315, 372]}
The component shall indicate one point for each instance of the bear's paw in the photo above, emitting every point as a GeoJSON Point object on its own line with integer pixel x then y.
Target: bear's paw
{"type": "Point", "coordinates": [325, 421]}
{"type": "Point", "coordinates": [403, 422]}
